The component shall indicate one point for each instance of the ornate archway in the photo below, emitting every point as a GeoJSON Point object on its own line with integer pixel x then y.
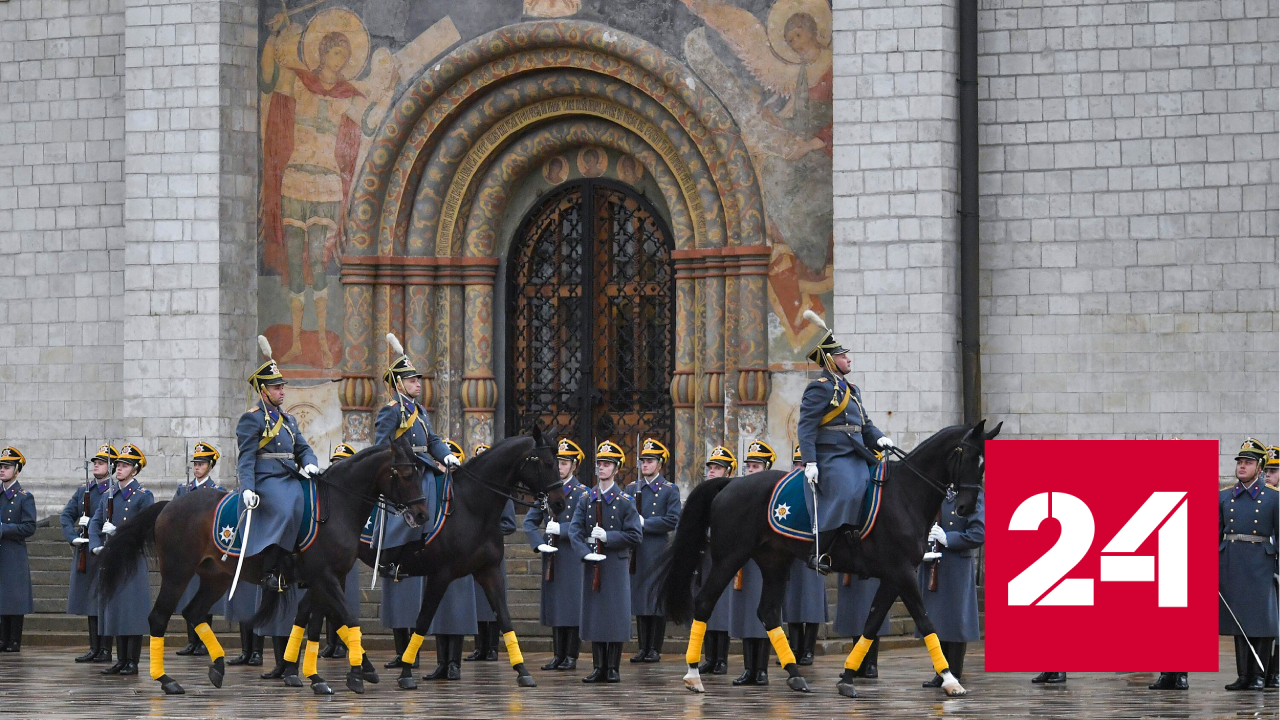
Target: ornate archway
{"type": "Point", "coordinates": [430, 209]}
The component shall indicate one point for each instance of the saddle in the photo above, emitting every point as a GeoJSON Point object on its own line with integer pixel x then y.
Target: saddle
{"type": "Point", "coordinates": [443, 506]}
{"type": "Point", "coordinates": [790, 515]}
{"type": "Point", "coordinates": [227, 521]}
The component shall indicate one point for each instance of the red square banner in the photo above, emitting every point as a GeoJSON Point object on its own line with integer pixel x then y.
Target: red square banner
{"type": "Point", "coordinates": [1102, 555]}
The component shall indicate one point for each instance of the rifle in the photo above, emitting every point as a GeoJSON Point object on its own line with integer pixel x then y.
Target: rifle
{"type": "Point", "coordinates": [549, 572]}
{"type": "Point", "coordinates": [595, 572]}
{"type": "Point", "coordinates": [933, 565]}
{"type": "Point", "coordinates": [847, 580]}
{"type": "Point", "coordinates": [82, 553]}
{"type": "Point", "coordinates": [737, 581]}
{"type": "Point", "coordinates": [631, 565]}
{"type": "Point", "coordinates": [186, 459]}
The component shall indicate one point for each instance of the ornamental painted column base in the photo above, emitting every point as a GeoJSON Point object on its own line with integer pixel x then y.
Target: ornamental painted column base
{"type": "Point", "coordinates": [479, 400]}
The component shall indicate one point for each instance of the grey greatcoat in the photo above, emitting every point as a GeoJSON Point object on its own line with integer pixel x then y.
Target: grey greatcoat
{"type": "Point", "coordinates": [278, 516]}
{"type": "Point", "coordinates": [457, 612]}
{"type": "Point", "coordinates": [658, 503]}
{"type": "Point", "coordinates": [561, 601]}
{"type": "Point", "coordinates": [484, 611]}
{"type": "Point", "coordinates": [842, 455]}
{"type": "Point", "coordinates": [219, 607]}
{"type": "Point", "coordinates": [1245, 568]}
{"type": "Point", "coordinates": [17, 523]}
{"type": "Point", "coordinates": [351, 590]}
{"type": "Point", "coordinates": [719, 620]}
{"type": "Point", "coordinates": [280, 624]}
{"type": "Point", "coordinates": [743, 603]}
{"type": "Point", "coordinates": [805, 600]}
{"type": "Point", "coordinates": [240, 609]}
{"type": "Point", "coordinates": [853, 605]}
{"type": "Point", "coordinates": [81, 599]}
{"type": "Point", "coordinates": [606, 613]}
{"type": "Point", "coordinates": [126, 612]}
{"type": "Point", "coordinates": [953, 608]}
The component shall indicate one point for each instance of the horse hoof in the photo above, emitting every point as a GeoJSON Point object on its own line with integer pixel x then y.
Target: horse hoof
{"type": "Point", "coordinates": [292, 681]}
{"type": "Point", "coordinates": [355, 683]}
{"type": "Point", "coordinates": [955, 690]}
{"type": "Point", "coordinates": [320, 687]}
{"type": "Point", "coordinates": [798, 684]}
{"type": "Point", "coordinates": [217, 671]}
{"type": "Point", "coordinates": [526, 681]}
{"type": "Point", "coordinates": [847, 689]}
{"type": "Point", "coordinates": [171, 686]}
{"type": "Point", "coordinates": [407, 683]}
{"type": "Point", "coordinates": [694, 685]}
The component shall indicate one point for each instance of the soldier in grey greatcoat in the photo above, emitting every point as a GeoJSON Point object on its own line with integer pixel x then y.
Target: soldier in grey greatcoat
{"type": "Point", "coordinates": [203, 458]}
{"type": "Point", "coordinates": [17, 523]}
{"type": "Point", "coordinates": [953, 607]}
{"type": "Point", "coordinates": [853, 605]}
{"type": "Point", "coordinates": [804, 604]}
{"type": "Point", "coordinates": [278, 627]}
{"type": "Point", "coordinates": [75, 517]}
{"type": "Point", "coordinates": [487, 634]}
{"type": "Point", "coordinates": [744, 601]}
{"type": "Point", "coordinates": [335, 647]}
{"type": "Point", "coordinates": [560, 605]}
{"type": "Point", "coordinates": [605, 530]}
{"type": "Point", "coordinates": [1248, 517]}
{"type": "Point", "coordinates": [124, 615]}
{"type": "Point", "coordinates": [658, 503]}
{"type": "Point", "coordinates": [455, 617]}
{"type": "Point", "coordinates": [715, 644]}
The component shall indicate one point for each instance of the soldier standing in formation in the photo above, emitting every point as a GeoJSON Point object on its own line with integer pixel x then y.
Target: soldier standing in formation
{"type": "Point", "coordinates": [604, 531]}
{"type": "Point", "coordinates": [1272, 480]}
{"type": "Point", "coordinates": [715, 644]}
{"type": "Point", "coordinates": [487, 632]}
{"type": "Point", "coordinates": [203, 458]}
{"type": "Point", "coordinates": [658, 503]}
{"type": "Point", "coordinates": [17, 523]}
{"type": "Point", "coordinates": [455, 617]}
{"type": "Point", "coordinates": [81, 598]}
{"type": "Point", "coordinates": [561, 601]}
{"type": "Point", "coordinates": [335, 647]}
{"type": "Point", "coordinates": [744, 601]}
{"type": "Point", "coordinates": [804, 606]}
{"type": "Point", "coordinates": [853, 604]}
{"type": "Point", "coordinates": [952, 604]}
{"type": "Point", "coordinates": [1246, 565]}
{"type": "Point", "coordinates": [125, 614]}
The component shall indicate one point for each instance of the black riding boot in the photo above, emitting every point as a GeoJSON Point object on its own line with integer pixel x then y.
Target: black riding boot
{"type": "Point", "coordinates": [201, 650]}
{"type": "Point", "coordinates": [246, 646]}
{"type": "Point", "coordinates": [400, 636]}
{"type": "Point", "coordinates": [482, 642]}
{"type": "Point", "coordinates": [615, 663]}
{"type": "Point", "coordinates": [255, 659]}
{"type": "Point", "coordinates": [557, 649]}
{"type": "Point", "coordinates": [94, 642]}
{"type": "Point", "coordinates": [275, 569]}
{"type": "Point", "coordinates": [748, 675]}
{"type": "Point", "coordinates": [795, 640]}
{"type": "Point", "coordinates": [13, 642]}
{"type": "Point", "coordinates": [1050, 678]}
{"type": "Point", "coordinates": [494, 635]}
{"type": "Point", "coordinates": [135, 653]}
{"type": "Point", "coordinates": [657, 635]}
{"type": "Point", "coordinates": [710, 651]}
{"type": "Point", "coordinates": [1244, 665]}
{"type": "Point", "coordinates": [192, 641]}
{"type": "Point", "coordinates": [278, 645]}
{"type": "Point", "coordinates": [455, 657]}
{"type": "Point", "coordinates": [1169, 681]}
{"type": "Point", "coordinates": [572, 644]}
{"type": "Point", "coordinates": [1262, 646]}
{"type": "Point", "coordinates": [722, 653]}
{"type": "Point", "coordinates": [599, 663]}
{"type": "Point", "coordinates": [1273, 667]}
{"type": "Point", "coordinates": [762, 661]}
{"type": "Point", "coordinates": [331, 643]}
{"type": "Point", "coordinates": [104, 647]}
{"type": "Point", "coordinates": [642, 638]}
{"type": "Point", "coordinates": [808, 642]}
{"type": "Point", "coordinates": [122, 656]}
{"type": "Point", "coordinates": [870, 667]}
{"type": "Point", "coordinates": [442, 659]}
{"type": "Point", "coordinates": [954, 653]}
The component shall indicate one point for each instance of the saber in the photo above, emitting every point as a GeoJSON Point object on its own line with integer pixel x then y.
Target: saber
{"type": "Point", "coordinates": [817, 545]}
{"type": "Point", "coordinates": [377, 556]}
{"type": "Point", "coordinates": [244, 550]}
{"type": "Point", "coordinates": [1242, 633]}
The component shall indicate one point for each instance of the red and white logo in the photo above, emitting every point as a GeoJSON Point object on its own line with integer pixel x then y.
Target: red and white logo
{"type": "Point", "coordinates": [1101, 555]}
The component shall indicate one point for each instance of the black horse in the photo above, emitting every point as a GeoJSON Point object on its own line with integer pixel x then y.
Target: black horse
{"type": "Point", "coordinates": [736, 510]}
{"type": "Point", "coordinates": [470, 543]}
{"type": "Point", "coordinates": [180, 534]}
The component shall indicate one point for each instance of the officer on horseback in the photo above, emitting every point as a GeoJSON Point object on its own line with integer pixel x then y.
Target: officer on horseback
{"type": "Point", "coordinates": [272, 449]}
{"type": "Point", "coordinates": [835, 436]}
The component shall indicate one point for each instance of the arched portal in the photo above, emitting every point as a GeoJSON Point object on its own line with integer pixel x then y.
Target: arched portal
{"type": "Point", "coordinates": [591, 317]}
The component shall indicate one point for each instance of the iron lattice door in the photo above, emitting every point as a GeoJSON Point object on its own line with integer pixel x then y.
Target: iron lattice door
{"type": "Point", "coordinates": [590, 330]}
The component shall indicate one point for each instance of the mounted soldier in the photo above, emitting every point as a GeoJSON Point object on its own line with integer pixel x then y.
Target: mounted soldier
{"type": "Point", "coordinates": [75, 517]}
{"type": "Point", "coordinates": [836, 437]}
{"type": "Point", "coordinates": [658, 503]}
{"type": "Point", "coordinates": [274, 456]}
{"type": "Point", "coordinates": [203, 458]}
{"type": "Point", "coordinates": [17, 523]}
{"type": "Point", "coordinates": [124, 615]}
{"type": "Point", "coordinates": [1248, 514]}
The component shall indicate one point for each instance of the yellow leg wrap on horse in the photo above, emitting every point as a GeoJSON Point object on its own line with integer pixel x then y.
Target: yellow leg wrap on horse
{"type": "Point", "coordinates": [355, 653]}
{"type": "Point", "coordinates": [210, 641]}
{"type": "Point", "coordinates": [411, 651]}
{"type": "Point", "coordinates": [295, 644]}
{"type": "Point", "coordinates": [935, 653]}
{"type": "Point", "coordinates": [513, 648]}
{"type": "Point", "coordinates": [780, 646]}
{"type": "Point", "coordinates": [694, 652]}
{"type": "Point", "coordinates": [309, 659]}
{"type": "Point", "coordinates": [860, 649]}
{"type": "Point", "coordinates": [157, 657]}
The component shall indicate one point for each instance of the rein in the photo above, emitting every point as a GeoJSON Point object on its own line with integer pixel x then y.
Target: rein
{"type": "Point", "coordinates": [379, 501]}
{"type": "Point", "coordinates": [955, 458]}
{"type": "Point", "coordinates": [539, 497]}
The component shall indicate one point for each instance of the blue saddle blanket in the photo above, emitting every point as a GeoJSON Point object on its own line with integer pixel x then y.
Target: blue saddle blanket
{"type": "Point", "coordinates": [228, 521]}
{"type": "Point", "coordinates": [443, 506]}
{"type": "Point", "coordinates": [789, 506]}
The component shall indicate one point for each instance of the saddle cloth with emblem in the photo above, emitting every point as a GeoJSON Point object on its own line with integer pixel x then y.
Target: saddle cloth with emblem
{"type": "Point", "coordinates": [228, 526]}
{"type": "Point", "coordinates": [443, 502]}
{"type": "Point", "coordinates": [789, 506]}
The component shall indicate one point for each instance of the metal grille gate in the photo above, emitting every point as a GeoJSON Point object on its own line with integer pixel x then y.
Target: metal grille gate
{"type": "Point", "coordinates": [590, 323]}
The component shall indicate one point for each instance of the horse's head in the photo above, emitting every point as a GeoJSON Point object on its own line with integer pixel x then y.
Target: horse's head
{"type": "Point", "coordinates": [400, 482]}
{"type": "Point", "coordinates": [539, 474]}
{"type": "Point", "coordinates": [967, 469]}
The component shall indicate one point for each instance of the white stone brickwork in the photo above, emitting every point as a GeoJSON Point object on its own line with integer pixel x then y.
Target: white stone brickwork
{"type": "Point", "coordinates": [1129, 219]}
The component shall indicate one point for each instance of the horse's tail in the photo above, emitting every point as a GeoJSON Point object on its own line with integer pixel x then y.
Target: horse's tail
{"type": "Point", "coordinates": [682, 556]}
{"type": "Point", "coordinates": [119, 559]}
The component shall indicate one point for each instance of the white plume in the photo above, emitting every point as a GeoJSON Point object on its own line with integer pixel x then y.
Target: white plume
{"type": "Point", "coordinates": [812, 317]}
{"type": "Point", "coordinates": [394, 344]}
{"type": "Point", "coordinates": [264, 346]}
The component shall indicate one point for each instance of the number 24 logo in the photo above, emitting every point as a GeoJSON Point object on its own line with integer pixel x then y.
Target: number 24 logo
{"type": "Point", "coordinates": [1036, 584]}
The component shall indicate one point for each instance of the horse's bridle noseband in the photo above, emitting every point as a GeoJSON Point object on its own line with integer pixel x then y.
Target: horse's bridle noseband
{"type": "Point", "coordinates": [539, 496]}
{"type": "Point", "coordinates": [955, 459]}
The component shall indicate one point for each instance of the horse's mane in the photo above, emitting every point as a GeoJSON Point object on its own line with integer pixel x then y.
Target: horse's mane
{"type": "Point", "coordinates": [944, 436]}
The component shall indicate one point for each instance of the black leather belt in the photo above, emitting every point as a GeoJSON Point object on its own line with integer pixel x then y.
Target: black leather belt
{"type": "Point", "coordinates": [843, 428]}
{"type": "Point", "coordinates": [1232, 537]}
{"type": "Point", "coordinates": [277, 456]}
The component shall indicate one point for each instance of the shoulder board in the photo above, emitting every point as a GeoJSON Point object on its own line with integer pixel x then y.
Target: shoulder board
{"type": "Point", "coordinates": [256, 408]}
{"type": "Point", "coordinates": [22, 492]}
{"type": "Point", "coordinates": [822, 380]}
{"type": "Point", "coordinates": [1273, 487]}
{"type": "Point", "coordinates": [626, 496]}
{"type": "Point", "coordinates": [393, 403]}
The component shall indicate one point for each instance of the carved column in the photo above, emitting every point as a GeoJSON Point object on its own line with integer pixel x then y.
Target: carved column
{"type": "Point", "coordinates": [479, 388]}
{"type": "Point", "coordinates": [683, 388]}
{"type": "Point", "coordinates": [753, 342]}
{"type": "Point", "coordinates": [357, 389]}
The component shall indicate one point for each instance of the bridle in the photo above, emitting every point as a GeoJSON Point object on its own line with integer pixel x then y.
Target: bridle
{"type": "Point", "coordinates": [379, 501]}
{"type": "Point", "coordinates": [954, 460]}
{"type": "Point", "coordinates": [539, 496]}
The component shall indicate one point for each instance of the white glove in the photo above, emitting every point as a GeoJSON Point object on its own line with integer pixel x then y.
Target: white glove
{"type": "Point", "coordinates": [97, 550]}
{"type": "Point", "coordinates": [593, 557]}
{"type": "Point", "coordinates": [451, 461]}
{"type": "Point", "coordinates": [83, 521]}
{"type": "Point", "coordinates": [598, 533]}
{"type": "Point", "coordinates": [811, 472]}
{"type": "Point", "coordinates": [545, 548]}
{"type": "Point", "coordinates": [938, 535]}
{"type": "Point", "coordinates": [553, 527]}
{"type": "Point", "coordinates": [79, 541]}
{"type": "Point", "coordinates": [108, 528]}
{"type": "Point", "coordinates": [884, 442]}
{"type": "Point", "coordinates": [250, 499]}
{"type": "Point", "coordinates": [311, 469]}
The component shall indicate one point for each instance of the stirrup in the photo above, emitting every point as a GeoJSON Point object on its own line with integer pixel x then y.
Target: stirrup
{"type": "Point", "coordinates": [821, 563]}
